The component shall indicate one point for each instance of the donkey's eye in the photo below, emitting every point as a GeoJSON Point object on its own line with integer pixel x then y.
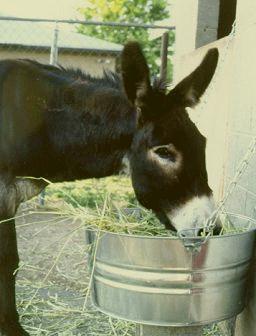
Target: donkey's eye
{"type": "Point", "coordinates": [166, 153]}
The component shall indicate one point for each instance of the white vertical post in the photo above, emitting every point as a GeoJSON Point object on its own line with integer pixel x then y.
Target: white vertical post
{"type": "Point", "coordinates": [184, 14]}
{"type": "Point", "coordinates": [54, 46]}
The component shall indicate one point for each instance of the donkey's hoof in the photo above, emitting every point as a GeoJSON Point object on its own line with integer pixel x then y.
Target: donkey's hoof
{"type": "Point", "coordinates": [12, 330]}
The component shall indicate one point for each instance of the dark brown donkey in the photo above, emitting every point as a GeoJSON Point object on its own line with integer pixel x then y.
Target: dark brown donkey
{"type": "Point", "coordinates": [62, 124]}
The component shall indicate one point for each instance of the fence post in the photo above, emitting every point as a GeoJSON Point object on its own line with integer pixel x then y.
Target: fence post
{"type": "Point", "coordinates": [54, 46]}
{"type": "Point", "coordinates": [53, 61]}
{"type": "Point", "coordinates": [164, 55]}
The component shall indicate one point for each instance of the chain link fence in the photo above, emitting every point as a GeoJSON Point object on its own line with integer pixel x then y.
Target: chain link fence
{"type": "Point", "coordinates": [78, 44]}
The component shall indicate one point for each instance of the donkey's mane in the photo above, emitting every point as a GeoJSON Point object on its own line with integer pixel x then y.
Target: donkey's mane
{"type": "Point", "coordinates": [109, 78]}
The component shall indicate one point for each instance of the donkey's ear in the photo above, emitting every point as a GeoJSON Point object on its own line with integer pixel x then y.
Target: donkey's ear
{"type": "Point", "coordinates": [135, 71]}
{"type": "Point", "coordinates": [188, 92]}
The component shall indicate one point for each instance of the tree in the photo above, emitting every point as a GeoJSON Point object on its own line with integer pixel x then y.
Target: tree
{"type": "Point", "coordinates": [138, 11]}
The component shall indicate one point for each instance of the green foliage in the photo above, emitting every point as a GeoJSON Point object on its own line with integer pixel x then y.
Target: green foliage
{"type": "Point", "coordinates": [92, 193]}
{"type": "Point", "coordinates": [138, 11]}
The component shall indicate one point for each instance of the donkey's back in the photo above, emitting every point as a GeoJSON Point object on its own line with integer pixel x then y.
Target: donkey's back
{"type": "Point", "coordinates": [46, 109]}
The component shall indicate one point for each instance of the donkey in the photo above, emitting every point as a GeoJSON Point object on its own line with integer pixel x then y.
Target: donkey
{"type": "Point", "coordinates": [62, 124]}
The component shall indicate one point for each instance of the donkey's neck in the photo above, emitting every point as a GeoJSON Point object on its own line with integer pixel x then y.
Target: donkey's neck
{"type": "Point", "coordinates": [97, 147]}
{"type": "Point", "coordinates": [97, 164]}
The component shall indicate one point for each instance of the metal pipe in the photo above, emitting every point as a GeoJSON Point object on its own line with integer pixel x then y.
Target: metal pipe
{"type": "Point", "coordinates": [91, 23]}
{"type": "Point", "coordinates": [164, 55]}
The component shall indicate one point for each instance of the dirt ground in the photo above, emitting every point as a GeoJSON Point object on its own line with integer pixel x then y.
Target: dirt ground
{"type": "Point", "coordinates": [53, 280]}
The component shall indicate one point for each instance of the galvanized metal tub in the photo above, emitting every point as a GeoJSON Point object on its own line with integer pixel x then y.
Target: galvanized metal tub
{"type": "Point", "coordinates": [157, 281]}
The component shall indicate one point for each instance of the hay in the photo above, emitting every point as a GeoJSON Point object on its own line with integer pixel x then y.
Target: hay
{"type": "Point", "coordinates": [122, 214]}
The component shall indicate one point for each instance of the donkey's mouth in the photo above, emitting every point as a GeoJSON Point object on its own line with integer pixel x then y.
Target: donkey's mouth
{"type": "Point", "coordinates": [196, 232]}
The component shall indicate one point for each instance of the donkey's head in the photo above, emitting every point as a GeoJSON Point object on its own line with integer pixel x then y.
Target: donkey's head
{"type": "Point", "coordinates": [167, 157]}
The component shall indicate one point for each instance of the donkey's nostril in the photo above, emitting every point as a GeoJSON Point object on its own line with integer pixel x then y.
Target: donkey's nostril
{"type": "Point", "coordinates": [200, 232]}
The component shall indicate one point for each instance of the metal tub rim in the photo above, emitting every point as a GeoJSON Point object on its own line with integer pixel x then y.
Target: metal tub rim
{"type": "Point", "coordinates": [171, 237]}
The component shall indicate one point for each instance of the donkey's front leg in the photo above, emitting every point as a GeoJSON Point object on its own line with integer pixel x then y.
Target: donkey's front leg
{"type": "Point", "coordinates": [9, 259]}
{"type": "Point", "coordinates": [9, 320]}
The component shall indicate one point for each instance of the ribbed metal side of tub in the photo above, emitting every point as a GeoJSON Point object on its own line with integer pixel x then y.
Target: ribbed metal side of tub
{"type": "Point", "coordinates": [158, 281]}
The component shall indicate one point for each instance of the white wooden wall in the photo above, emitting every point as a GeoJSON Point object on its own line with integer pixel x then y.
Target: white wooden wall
{"type": "Point", "coordinates": [184, 16]}
{"type": "Point", "coordinates": [212, 114]}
